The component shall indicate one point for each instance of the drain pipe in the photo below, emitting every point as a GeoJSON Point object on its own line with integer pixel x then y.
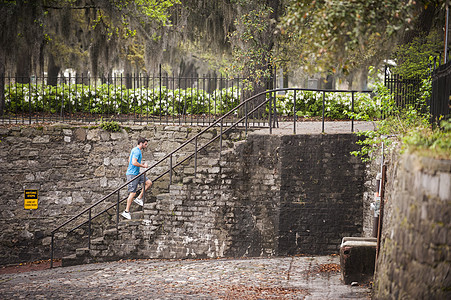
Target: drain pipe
{"type": "Point", "coordinates": [375, 206]}
{"type": "Point", "coordinates": [382, 200]}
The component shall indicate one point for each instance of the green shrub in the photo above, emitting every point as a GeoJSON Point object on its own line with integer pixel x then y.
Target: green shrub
{"type": "Point", "coordinates": [409, 127]}
{"type": "Point", "coordinates": [111, 126]}
{"type": "Point", "coordinates": [112, 100]}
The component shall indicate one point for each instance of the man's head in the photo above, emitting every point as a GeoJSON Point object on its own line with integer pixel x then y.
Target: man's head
{"type": "Point", "coordinates": [142, 142]}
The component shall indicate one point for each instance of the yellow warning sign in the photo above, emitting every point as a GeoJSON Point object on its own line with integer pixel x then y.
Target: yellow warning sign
{"type": "Point", "coordinates": [31, 199]}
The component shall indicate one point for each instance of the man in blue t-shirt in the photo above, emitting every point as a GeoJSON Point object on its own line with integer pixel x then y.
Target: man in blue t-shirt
{"type": "Point", "coordinates": [134, 164]}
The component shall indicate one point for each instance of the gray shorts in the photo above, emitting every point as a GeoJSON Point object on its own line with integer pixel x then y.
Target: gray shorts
{"type": "Point", "coordinates": [133, 186]}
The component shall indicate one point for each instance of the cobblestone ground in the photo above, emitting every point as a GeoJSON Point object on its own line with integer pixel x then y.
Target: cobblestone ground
{"type": "Point", "coordinates": [259, 278]}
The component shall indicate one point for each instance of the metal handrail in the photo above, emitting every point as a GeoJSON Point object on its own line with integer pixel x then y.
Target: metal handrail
{"type": "Point", "coordinates": [244, 119]}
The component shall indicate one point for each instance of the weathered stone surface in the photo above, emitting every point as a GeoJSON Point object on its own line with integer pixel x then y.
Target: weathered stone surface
{"type": "Point", "coordinates": [414, 260]}
{"type": "Point", "coordinates": [72, 167]}
{"type": "Point", "coordinates": [268, 195]}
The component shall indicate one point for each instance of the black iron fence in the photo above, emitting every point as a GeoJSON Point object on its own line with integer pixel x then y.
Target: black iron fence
{"type": "Point", "coordinates": [405, 91]}
{"type": "Point", "coordinates": [441, 93]}
{"type": "Point", "coordinates": [136, 98]}
{"type": "Point", "coordinates": [195, 100]}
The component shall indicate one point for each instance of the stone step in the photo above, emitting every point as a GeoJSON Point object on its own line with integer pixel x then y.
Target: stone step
{"type": "Point", "coordinates": [137, 215]}
{"type": "Point", "coordinates": [110, 231]}
{"type": "Point", "coordinates": [98, 244]}
{"type": "Point", "coordinates": [187, 179]}
{"type": "Point", "coordinates": [133, 221]}
{"type": "Point", "coordinates": [208, 162]}
{"type": "Point", "coordinates": [98, 241]}
{"type": "Point", "coordinates": [82, 256]}
{"type": "Point", "coordinates": [71, 260]}
{"type": "Point", "coordinates": [163, 197]}
{"type": "Point", "coordinates": [81, 252]}
{"type": "Point", "coordinates": [149, 206]}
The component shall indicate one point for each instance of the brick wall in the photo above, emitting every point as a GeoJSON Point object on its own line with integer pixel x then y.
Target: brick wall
{"type": "Point", "coordinates": [321, 193]}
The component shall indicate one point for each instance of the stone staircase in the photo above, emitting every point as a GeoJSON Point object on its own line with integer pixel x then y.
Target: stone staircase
{"type": "Point", "coordinates": [135, 238]}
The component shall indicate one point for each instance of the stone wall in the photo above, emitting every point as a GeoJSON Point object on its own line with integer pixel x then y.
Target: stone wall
{"type": "Point", "coordinates": [267, 195]}
{"type": "Point", "coordinates": [72, 167]}
{"type": "Point", "coordinates": [415, 256]}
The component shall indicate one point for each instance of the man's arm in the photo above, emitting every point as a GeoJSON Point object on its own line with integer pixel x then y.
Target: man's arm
{"type": "Point", "coordinates": [137, 164]}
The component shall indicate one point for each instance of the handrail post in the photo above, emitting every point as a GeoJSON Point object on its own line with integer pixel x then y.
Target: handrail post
{"type": "Point", "coordinates": [275, 120]}
{"type": "Point", "coordinates": [324, 103]}
{"type": "Point", "coordinates": [195, 156]}
{"type": "Point", "coordinates": [270, 116]}
{"type": "Point", "coordinates": [245, 114]}
{"type": "Point", "coordinates": [144, 188]}
{"type": "Point", "coordinates": [89, 230]}
{"type": "Point", "coordinates": [51, 250]}
{"type": "Point", "coordinates": [294, 113]}
{"type": "Point", "coordinates": [117, 210]}
{"type": "Point", "coordinates": [352, 108]}
{"type": "Point", "coordinates": [170, 170]}
{"type": "Point", "coordinates": [220, 142]}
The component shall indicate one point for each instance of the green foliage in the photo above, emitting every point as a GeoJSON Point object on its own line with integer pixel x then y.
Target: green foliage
{"type": "Point", "coordinates": [430, 142]}
{"type": "Point", "coordinates": [331, 32]}
{"type": "Point", "coordinates": [111, 126]}
{"type": "Point", "coordinates": [107, 99]}
{"type": "Point", "coordinates": [414, 59]}
{"type": "Point", "coordinates": [406, 127]}
{"type": "Point", "coordinates": [336, 105]}
{"type": "Point", "coordinates": [252, 44]}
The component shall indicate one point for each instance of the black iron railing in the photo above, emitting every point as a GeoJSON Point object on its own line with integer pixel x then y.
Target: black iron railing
{"type": "Point", "coordinates": [269, 119]}
{"type": "Point", "coordinates": [441, 93]}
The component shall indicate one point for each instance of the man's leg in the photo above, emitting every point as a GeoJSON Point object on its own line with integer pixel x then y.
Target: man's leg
{"type": "Point", "coordinates": [129, 201]}
{"type": "Point", "coordinates": [148, 185]}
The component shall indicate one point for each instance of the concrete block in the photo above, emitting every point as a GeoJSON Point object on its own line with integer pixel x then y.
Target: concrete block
{"type": "Point", "coordinates": [357, 259]}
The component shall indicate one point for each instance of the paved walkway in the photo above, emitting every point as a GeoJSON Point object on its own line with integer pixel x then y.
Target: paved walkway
{"type": "Point", "coordinates": [258, 278]}
{"type": "Point", "coordinates": [310, 127]}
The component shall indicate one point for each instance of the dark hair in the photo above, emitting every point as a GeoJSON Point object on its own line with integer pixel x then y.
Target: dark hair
{"type": "Point", "coordinates": [142, 140]}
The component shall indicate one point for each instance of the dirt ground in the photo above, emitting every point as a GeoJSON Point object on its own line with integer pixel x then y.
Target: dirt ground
{"type": "Point", "coordinates": [29, 266]}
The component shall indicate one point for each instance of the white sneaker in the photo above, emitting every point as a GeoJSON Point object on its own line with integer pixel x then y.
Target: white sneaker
{"type": "Point", "coordinates": [138, 201]}
{"type": "Point", "coordinates": [126, 215]}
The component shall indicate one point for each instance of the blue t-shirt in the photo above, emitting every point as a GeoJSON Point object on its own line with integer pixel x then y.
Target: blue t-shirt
{"type": "Point", "coordinates": [135, 153]}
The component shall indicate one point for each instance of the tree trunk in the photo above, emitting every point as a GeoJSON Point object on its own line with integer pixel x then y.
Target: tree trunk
{"type": "Point", "coordinates": [53, 71]}
{"type": "Point", "coordinates": [128, 76]}
{"type": "Point", "coordinates": [359, 79]}
{"type": "Point", "coordinates": [23, 65]}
